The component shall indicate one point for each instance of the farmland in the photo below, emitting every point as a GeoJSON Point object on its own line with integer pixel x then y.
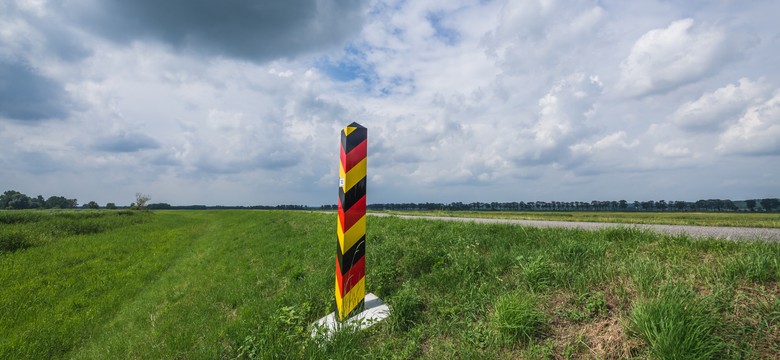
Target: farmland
{"type": "Point", "coordinates": [246, 284]}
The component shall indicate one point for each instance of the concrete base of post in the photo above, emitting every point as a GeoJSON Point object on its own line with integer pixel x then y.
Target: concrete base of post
{"type": "Point", "coordinates": [375, 311]}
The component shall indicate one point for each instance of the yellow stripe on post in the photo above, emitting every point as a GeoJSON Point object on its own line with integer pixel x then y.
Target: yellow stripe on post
{"type": "Point", "coordinates": [350, 237]}
{"type": "Point", "coordinates": [350, 256]}
{"type": "Point", "coordinates": [352, 299]}
{"type": "Point", "coordinates": [357, 173]}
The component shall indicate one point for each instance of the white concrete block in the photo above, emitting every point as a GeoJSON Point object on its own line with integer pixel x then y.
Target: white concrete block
{"type": "Point", "coordinates": [375, 311]}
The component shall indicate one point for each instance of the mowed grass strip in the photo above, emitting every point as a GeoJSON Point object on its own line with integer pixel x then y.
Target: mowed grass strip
{"type": "Point", "coordinates": [247, 284]}
{"type": "Point", "coordinates": [729, 219]}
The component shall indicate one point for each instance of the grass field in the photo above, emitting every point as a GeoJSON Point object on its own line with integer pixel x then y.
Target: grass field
{"type": "Point", "coordinates": [732, 219]}
{"type": "Point", "coordinates": [246, 284]}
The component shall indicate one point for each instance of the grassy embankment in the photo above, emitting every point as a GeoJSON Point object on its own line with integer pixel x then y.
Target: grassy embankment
{"type": "Point", "coordinates": [731, 219]}
{"type": "Point", "coordinates": [227, 284]}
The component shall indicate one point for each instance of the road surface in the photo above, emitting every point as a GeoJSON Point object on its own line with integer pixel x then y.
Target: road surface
{"type": "Point", "coordinates": [721, 232]}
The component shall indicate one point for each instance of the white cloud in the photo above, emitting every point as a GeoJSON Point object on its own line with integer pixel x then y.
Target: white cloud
{"type": "Point", "coordinates": [564, 112]}
{"type": "Point", "coordinates": [465, 100]}
{"type": "Point", "coordinates": [756, 133]}
{"type": "Point", "coordinates": [668, 150]}
{"type": "Point", "coordinates": [537, 34]}
{"type": "Point", "coordinates": [614, 141]}
{"type": "Point", "coordinates": [683, 52]}
{"type": "Point", "coordinates": [712, 110]}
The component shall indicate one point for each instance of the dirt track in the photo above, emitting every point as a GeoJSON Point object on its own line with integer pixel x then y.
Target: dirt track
{"type": "Point", "coordinates": [729, 233]}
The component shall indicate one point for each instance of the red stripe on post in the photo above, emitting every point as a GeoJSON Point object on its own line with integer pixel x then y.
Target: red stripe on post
{"type": "Point", "coordinates": [354, 214]}
{"type": "Point", "coordinates": [352, 277]}
{"type": "Point", "coordinates": [354, 157]}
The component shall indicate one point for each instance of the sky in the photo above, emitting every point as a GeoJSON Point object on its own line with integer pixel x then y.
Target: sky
{"type": "Point", "coordinates": [241, 102]}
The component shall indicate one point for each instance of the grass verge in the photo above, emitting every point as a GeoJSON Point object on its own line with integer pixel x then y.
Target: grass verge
{"type": "Point", "coordinates": [247, 284]}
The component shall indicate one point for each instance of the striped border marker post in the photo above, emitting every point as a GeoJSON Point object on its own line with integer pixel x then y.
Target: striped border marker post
{"type": "Point", "coordinates": [351, 228]}
{"type": "Point", "coordinates": [354, 308]}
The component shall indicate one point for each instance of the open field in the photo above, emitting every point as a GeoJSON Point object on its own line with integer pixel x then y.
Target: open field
{"type": "Point", "coordinates": [246, 284]}
{"type": "Point", "coordinates": [761, 220]}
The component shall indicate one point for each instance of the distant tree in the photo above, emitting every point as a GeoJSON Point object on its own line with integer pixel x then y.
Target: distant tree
{"type": "Point", "coordinates": [661, 204]}
{"type": "Point", "coordinates": [13, 199]}
{"type": "Point", "coordinates": [141, 200]}
{"type": "Point", "coordinates": [770, 204]}
{"type": "Point", "coordinates": [7, 197]}
{"type": "Point", "coordinates": [37, 202]}
{"type": "Point", "coordinates": [110, 206]}
{"type": "Point", "coordinates": [159, 206]}
{"type": "Point", "coordinates": [751, 204]}
{"type": "Point", "coordinates": [93, 205]}
{"type": "Point", "coordinates": [60, 202]}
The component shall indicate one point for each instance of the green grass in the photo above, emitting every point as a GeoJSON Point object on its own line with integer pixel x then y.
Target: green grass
{"type": "Point", "coordinates": [731, 219]}
{"type": "Point", "coordinates": [677, 324]}
{"type": "Point", "coordinates": [247, 284]}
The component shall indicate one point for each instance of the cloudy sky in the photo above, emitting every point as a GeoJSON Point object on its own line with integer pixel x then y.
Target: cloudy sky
{"type": "Point", "coordinates": [240, 102]}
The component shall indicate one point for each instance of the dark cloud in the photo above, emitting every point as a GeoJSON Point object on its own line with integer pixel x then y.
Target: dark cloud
{"type": "Point", "coordinates": [26, 95]}
{"type": "Point", "coordinates": [254, 30]}
{"type": "Point", "coordinates": [35, 162]}
{"type": "Point", "coordinates": [50, 32]}
{"type": "Point", "coordinates": [125, 143]}
{"type": "Point", "coordinates": [276, 160]}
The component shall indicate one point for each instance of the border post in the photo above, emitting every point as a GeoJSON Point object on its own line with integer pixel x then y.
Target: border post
{"type": "Point", "coordinates": [351, 228]}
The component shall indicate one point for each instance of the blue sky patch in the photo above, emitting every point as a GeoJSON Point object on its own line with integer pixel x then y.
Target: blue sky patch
{"type": "Point", "coordinates": [447, 35]}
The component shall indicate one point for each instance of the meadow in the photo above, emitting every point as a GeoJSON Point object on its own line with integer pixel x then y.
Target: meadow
{"type": "Point", "coordinates": [247, 284]}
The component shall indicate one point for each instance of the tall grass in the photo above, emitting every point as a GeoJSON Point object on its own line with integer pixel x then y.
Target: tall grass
{"type": "Point", "coordinates": [676, 325]}
{"type": "Point", "coordinates": [247, 284]}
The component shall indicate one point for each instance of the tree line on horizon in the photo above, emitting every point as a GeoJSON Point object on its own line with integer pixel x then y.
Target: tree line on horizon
{"type": "Point", "coordinates": [15, 200]}
{"type": "Point", "coordinates": [752, 205]}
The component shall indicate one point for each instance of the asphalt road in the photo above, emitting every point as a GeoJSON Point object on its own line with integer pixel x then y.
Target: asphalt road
{"type": "Point", "coordinates": [721, 232]}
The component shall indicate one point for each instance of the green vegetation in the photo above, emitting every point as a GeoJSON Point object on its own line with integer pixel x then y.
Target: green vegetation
{"type": "Point", "coordinates": [762, 220]}
{"type": "Point", "coordinates": [247, 284]}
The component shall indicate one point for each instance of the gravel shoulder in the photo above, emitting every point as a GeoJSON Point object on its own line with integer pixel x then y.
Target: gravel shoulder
{"type": "Point", "coordinates": [720, 232]}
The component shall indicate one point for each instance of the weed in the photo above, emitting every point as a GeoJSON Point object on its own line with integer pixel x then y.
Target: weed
{"type": "Point", "coordinates": [544, 350]}
{"type": "Point", "coordinates": [478, 335]}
